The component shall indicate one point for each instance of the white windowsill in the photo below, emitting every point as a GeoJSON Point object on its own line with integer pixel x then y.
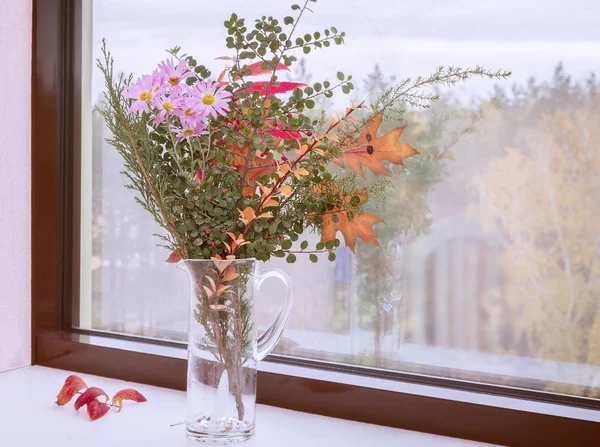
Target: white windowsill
{"type": "Point", "coordinates": [511, 403]}
{"type": "Point", "coordinates": [29, 417]}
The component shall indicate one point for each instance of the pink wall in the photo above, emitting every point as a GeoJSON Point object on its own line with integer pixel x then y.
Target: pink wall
{"type": "Point", "coordinates": [15, 177]}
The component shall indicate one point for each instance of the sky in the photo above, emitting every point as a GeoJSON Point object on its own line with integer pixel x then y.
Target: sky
{"type": "Point", "coordinates": [527, 37]}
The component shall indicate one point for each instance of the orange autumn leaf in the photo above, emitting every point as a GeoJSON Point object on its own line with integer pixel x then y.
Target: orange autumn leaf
{"type": "Point", "coordinates": [301, 172]}
{"type": "Point", "coordinates": [371, 150]}
{"type": "Point", "coordinates": [361, 226]}
{"type": "Point", "coordinates": [238, 241]}
{"type": "Point", "coordinates": [257, 167]}
{"type": "Point", "coordinates": [270, 203]}
{"type": "Point", "coordinates": [247, 216]}
{"type": "Point", "coordinates": [230, 274]}
{"type": "Point", "coordinates": [96, 409]}
{"type": "Point", "coordinates": [283, 170]}
{"type": "Point", "coordinates": [72, 385]}
{"type": "Point", "coordinates": [286, 190]}
{"type": "Point", "coordinates": [88, 396]}
{"type": "Point", "coordinates": [127, 394]}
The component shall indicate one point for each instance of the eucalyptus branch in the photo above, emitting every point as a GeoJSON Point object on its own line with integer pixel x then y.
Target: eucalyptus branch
{"type": "Point", "coordinates": [308, 251]}
{"type": "Point", "coordinates": [276, 59]}
{"type": "Point", "coordinates": [318, 43]}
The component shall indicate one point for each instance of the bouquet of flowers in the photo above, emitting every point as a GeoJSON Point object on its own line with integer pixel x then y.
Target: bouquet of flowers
{"type": "Point", "coordinates": [242, 165]}
{"type": "Point", "coordinates": [238, 166]}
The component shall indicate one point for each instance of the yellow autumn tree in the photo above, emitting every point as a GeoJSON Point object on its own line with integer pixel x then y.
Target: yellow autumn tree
{"type": "Point", "coordinates": [545, 199]}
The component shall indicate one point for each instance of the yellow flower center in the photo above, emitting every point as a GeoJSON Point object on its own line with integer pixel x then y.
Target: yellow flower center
{"type": "Point", "coordinates": [187, 132]}
{"type": "Point", "coordinates": [188, 112]}
{"type": "Point", "coordinates": [173, 80]}
{"type": "Point", "coordinates": [145, 96]}
{"type": "Point", "coordinates": [167, 105]}
{"type": "Point", "coordinates": [208, 99]}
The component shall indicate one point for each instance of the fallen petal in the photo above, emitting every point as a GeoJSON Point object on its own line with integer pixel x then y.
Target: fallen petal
{"type": "Point", "coordinates": [89, 395]}
{"type": "Point", "coordinates": [96, 409]}
{"type": "Point", "coordinates": [72, 385]}
{"type": "Point", "coordinates": [127, 394]}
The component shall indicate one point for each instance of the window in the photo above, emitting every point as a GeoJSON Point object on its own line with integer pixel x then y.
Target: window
{"type": "Point", "coordinates": [489, 269]}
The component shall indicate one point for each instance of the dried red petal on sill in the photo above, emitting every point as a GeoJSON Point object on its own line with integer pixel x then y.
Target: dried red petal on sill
{"type": "Point", "coordinates": [127, 394]}
{"type": "Point", "coordinates": [96, 409]}
{"type": "Point", "coordinates": [90, 395]}
{"type": "Point", "coordinates": [72, 385]}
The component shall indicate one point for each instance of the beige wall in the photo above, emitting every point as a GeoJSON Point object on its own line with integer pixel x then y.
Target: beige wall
{"type": "Point", "coordinates": [15, 179]}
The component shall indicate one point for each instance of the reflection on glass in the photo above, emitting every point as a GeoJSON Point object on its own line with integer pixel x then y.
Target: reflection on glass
{"type": "Point", "coordinates": [490, 267]}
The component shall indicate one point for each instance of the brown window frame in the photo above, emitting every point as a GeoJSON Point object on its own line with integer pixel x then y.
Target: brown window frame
{"type": "Point", "coordinates": [56, 86]}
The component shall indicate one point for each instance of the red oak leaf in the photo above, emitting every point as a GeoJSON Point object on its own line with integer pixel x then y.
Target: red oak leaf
{"type": "Point", "coordinates": [127, 394]}
{"type": "Point", "coordinates": [90, 395]}
{"type": "Point", "coordinates": [276, 87]}
{"type": "Point", "coordinates": [72, 385]}
{"type": "Point", "coordinates": [174, 258]}
{"type": "Point", "coordinates": [96, 409]}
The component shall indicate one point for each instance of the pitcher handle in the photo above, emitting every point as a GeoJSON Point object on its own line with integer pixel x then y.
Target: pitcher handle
{"type": "Point", "coordinates": [267, 341]}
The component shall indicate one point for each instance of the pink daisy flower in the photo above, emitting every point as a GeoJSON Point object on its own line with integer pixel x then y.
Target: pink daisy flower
{"type": "Point", "coordinates": [175, 75]}
{"type": "Point", "coordinates": [166, 106]}
{"type": "Point", "coordinates": [144, 90]}
{"type": "Point", "coordinates": [213, 98]}
{"type": "Point", "coordinates": [190, 127]}
{"type": "Point", "coordinates": [189, 108]}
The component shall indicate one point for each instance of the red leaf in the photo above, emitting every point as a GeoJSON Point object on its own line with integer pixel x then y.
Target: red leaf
{"type": "Point", "coordinates": [90, 395]}
{"type": "Point", "coordinates": [72, 385]}
{"type": "Point", "coordinates": [127, 394]}
{"type": "Point", "coordinates": [174, 258]}
{"type": "Point", "coordinates": [223, 58]}
{"type": "Point", "coordinates": [96, 409]}
{"type": "Point", "coordinates": [257, 69]}
{"type": "Point", "coordinates": [199, 177]}
{"type": "Point", "coordinates": [220, 78]}
{"type": "Point", "coordinates": [276, 87]}
{"type": "Point", "coordinates": [285, 134]}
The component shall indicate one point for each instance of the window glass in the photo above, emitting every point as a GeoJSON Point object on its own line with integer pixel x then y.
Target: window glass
{"type": "Point", "coordinates": [490, 262]}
